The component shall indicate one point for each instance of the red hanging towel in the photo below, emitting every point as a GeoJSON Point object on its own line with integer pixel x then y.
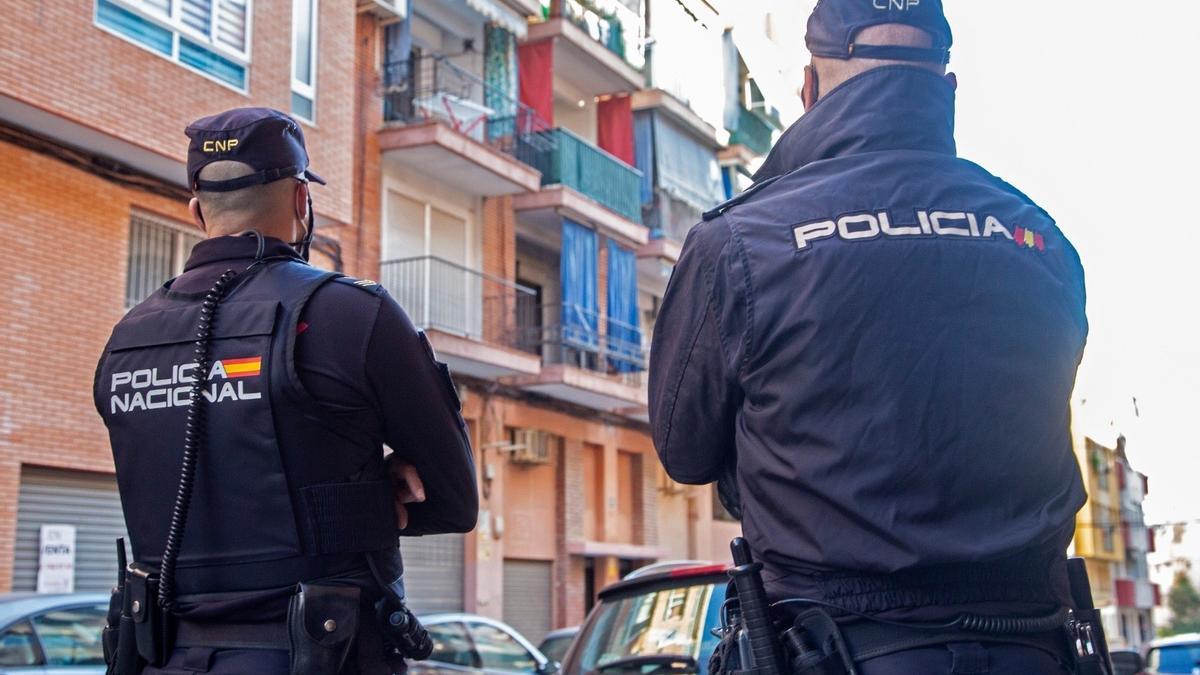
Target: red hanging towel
{"type": "Point", "coordinates": [614, 117]}
{"type": "Point", "coordinates": [536, 70]}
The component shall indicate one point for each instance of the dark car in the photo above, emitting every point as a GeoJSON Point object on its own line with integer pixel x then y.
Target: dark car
{"type": "Point", "coordinates": [1178, 654]}
{"type": "Point", "coordinates": [652, 622]}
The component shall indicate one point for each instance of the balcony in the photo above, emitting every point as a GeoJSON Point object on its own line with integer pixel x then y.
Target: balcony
{"type": "Point", "coordinates": [446, 123]}
{"type": "Point", "coordinates": [590, 52]}
{"type": "Point", "coordinates": [580, 365]}
{"type": "Point", "coordinates": [1136, 593]}
{"type": "Point", "coordinates": [470, 317]}
{"type": "Point", "coordinates": [753, 131]}
{"type": "Point", "coordinates": [568, 160]}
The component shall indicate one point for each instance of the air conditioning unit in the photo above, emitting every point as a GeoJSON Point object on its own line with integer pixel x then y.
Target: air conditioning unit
{"type": "Point", "coordinates": [384, 9]}
{"type": "Point", "coordinates": [531, 446]}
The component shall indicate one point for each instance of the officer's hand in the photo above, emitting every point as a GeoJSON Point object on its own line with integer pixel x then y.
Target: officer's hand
{"type": "Point", "coordinates": [409, 489]}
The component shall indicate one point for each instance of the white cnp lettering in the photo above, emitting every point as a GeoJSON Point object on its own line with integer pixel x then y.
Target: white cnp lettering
{"type": "Point", "coordinates": [850, 233]}
{"type": "Point", "coordinates": [865, 226]}
{"type": "Point", "coordinates": [897, 4]}
{"type": "Point", "coordinates": [938, 217]}
{"type": "Point", "coordinates": [813, 232]}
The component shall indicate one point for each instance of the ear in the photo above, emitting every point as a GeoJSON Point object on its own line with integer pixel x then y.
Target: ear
{"type": "Point", "coordinates": [300, 202]}
{"type": "Point", "coordinates": [809, 93]}
{"type": "Point", "coordinates": [197, 216]}
{"type": "Point", "coordinates": [953, 80]}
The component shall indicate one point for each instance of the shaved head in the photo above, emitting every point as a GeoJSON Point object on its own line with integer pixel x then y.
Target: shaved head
{"type": "Point", "coordinates": [270, 208]}
{"type": "Point", "coordinates": [833, 72]}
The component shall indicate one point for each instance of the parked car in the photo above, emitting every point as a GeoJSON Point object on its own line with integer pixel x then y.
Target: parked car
{"type": "Point", "coordinates": [1177, 654]}
{"type": "Point", "coordinates": [52, 634]}
{"type": "Point", "coordinates": [659, 619]}
{"type": "Point", "coordinates": [1128, 662]}
{"type": "Point", "coordinates": [465, 643]}
{"type": "Point", "coordinates": [556, 643]}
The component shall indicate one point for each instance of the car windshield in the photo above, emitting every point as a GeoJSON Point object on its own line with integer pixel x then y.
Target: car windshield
{"type": "Point", "coordinates": [555, 648]}
{"type": "Point", "coordinates": [1174, 658]}
{"type": "Point", "coordinates": [671, 621]}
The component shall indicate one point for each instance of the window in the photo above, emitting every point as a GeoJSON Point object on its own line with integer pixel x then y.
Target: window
{"type": "Point", "coordinates": [499, 651]}
{"type": "Point", "coordinates": [211, 37]}
{"type": "Point", "coordinates": [158, 249]}
{"type": "Point", "coordinates": [71, 637]}
{"type": "Point", "coordinates": [451, 645]}
{"type": "Point", "coordinates": [304, 58]}
{"type": "Point", "coordinates": [17, 646]}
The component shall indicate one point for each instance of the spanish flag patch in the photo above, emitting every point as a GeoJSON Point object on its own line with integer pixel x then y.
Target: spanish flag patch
{"type": "Point", "coordinates": [247, 367]}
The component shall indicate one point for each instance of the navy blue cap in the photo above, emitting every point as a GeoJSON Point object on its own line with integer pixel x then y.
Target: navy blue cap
{"type": "Point", "coordinates": [267, 140]}
{"type": "Point", "coordinates": [835, 23]}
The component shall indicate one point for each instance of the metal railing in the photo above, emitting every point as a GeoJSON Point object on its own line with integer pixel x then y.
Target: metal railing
{"type": "Point", "coordinates": [446, 296]}
{"type": "Point", "coordinates": [753, 131]}
{"type": "Point", "coordinates": [430, 87]}
{"type": "Point", "coordinates": [572, 161]}
{"type": "Point", "coordinates": [570, 335]}
{"type": "Point", "coordinates": [607, 29]}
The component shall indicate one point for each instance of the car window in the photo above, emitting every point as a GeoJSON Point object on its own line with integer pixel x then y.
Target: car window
{"type": "Point", "coordinates": [555, 648]}
{"type": "Point", "coordinates": [670, 621]}
{"type": "Point", "coordinates": [71, 636]}
{"type": "Point", "coordinates": [17, 646]}
{"type": "Point", "coordinates": [1174, 659]}
{"type": "Point", "coordinates": [500, 651]}
{"type": "Point", "coordinates": [451, 645]}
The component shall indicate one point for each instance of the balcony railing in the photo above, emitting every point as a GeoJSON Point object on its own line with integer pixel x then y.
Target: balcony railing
{"type": "Point", "coordinates": [430, 87]}
{"type": "Point", "coordinates": [607, 29]}
{"type": "Point", "coordinates": [753, 131]}
{"type": "Point", "coordinates": [449, 297]}
{"type": "Point", "coordinates": [574, 162]}
{"type": "Point", "coordinates": [570, 335]}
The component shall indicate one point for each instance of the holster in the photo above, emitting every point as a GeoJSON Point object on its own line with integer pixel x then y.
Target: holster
{"type": "Point", "coordinates": [153, 627]}
{"type": "Point", "coordinates": [118, 639]}
{"type": "Point", "coordinates": [815, 645]}
{"type": "Point", "coordinates": [321, 624]}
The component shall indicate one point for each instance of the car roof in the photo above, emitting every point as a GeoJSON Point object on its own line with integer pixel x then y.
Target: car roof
{"type": "Point", "coordinates": [458, 617]}
{"type": "Point", "coordinates": [1181, 639]}
{"type": "Point", "coordinates": [674, 578]}
{"type": "Point", "coordinates": [14, 606]}
{"type": "Point", "coordinates": [562, 633]}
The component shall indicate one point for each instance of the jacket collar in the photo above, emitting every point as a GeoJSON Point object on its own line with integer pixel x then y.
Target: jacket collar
{"type": "Point", "coordinates": [237, 247]}
{"type": "Point", "coordinates": [888, 108]}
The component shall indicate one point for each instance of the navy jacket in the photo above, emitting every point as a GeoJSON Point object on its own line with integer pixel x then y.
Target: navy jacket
{"type": "Point", "coordinates": [885, 337]}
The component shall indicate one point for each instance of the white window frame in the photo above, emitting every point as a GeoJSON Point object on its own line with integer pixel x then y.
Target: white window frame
{"type": "Point", "coordinates": [178, 28]}
{"type": "Point", "coordinates": [307, 90]}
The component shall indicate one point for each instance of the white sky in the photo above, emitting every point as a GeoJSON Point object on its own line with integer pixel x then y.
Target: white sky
{"type": "Point", "coordinates": [1091, 108]}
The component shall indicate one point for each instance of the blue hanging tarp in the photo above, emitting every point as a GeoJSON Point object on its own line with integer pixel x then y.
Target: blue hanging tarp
{"type": "Point", "coordinates": [624, 335]}
{"type": "Point", "coordinates": [580, 324]}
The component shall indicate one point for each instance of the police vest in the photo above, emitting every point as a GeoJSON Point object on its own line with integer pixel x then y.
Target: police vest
{"type": "Point", "coordinates": [281, 495]}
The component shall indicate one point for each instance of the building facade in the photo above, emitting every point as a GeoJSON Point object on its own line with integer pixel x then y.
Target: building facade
{"type": "Point", "coordinates": [1113, 538]}
{"type": "Point", "coordinates": [488, 162]}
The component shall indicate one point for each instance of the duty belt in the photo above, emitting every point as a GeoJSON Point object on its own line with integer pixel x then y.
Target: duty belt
{"type": "Point", "coordinates": [232, 635]}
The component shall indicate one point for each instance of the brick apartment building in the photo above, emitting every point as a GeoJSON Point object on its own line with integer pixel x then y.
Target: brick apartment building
{"type": "Point", "coordinates": [504, 167]}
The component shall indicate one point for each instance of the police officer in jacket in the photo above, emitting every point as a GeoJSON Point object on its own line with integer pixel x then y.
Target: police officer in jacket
{"type": "Point", "coordinates": [248, 402]}
{"type": "Point", "coordinates": [876, 345]}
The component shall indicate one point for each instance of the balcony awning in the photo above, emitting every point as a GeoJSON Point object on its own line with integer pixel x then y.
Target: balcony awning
{"type": "Point", "coordinates": [494, 11]}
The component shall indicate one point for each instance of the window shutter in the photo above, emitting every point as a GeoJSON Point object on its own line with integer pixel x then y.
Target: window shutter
{"type": "Point", "coordinates": [159, 7]}
{"type": "Point", "coordinates": [231, 24]}
{"type": "Point", "coordinates": [197, 15]}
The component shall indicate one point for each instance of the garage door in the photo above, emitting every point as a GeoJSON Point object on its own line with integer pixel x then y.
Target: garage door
{"type": "Point", "coordinates": [433, 572]}
{"type": "Point", "coordinates": [87, 501]}
{"type": "Point", "coordinates": [527, 593]}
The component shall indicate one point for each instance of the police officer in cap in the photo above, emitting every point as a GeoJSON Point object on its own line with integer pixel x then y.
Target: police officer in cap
{"type": "Point", "coordinates": [876, 346]}
{"type": "Point", "coordinates": [248, 402]}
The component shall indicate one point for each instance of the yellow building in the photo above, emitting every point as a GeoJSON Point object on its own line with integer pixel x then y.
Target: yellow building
{"type": "Point", "coordinates": [1098, 525]}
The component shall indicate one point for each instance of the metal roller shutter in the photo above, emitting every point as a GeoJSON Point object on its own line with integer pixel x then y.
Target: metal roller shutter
{"type": "Point", "coordinates": [433, 572]}
{"type": "Point", "coordinates": [527, 593]}
{"type": "Point", "coordinates": [89, 502]}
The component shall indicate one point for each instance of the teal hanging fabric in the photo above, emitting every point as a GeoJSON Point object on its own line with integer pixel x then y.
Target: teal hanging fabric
{"type": "Point", "coordinates": [624, 334]}
{"type": "Point", "coordinates": [500, 80]}
{"type": "Point", "coordinates": [580, 324]}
